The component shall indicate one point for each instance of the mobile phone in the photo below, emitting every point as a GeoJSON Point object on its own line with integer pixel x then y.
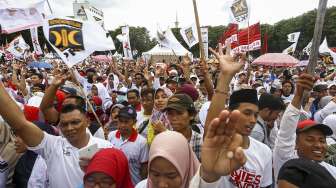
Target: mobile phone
{"type": "Point", "coordinates": [89, 151]}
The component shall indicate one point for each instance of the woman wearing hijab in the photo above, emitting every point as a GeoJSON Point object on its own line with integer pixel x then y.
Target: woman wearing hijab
{"type": "Point", "coordinates": [108, 168]}
{"type": "Point", "coordinates": [159, 120]}
{"type": "Point", "coordinates": [101, 91]}
{"type": "Point", "coordinates": [172, 163]}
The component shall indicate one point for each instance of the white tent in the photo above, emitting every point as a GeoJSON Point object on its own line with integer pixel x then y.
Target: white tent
{"type": "Point", "coordinates": [168, 46]}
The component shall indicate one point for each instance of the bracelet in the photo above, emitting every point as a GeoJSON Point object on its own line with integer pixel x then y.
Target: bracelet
{"type": "Point", "coordinates": [221, 92]}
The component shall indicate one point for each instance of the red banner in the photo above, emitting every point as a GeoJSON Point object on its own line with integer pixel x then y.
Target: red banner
{"type": "Point", "coordinates": [247, 40]}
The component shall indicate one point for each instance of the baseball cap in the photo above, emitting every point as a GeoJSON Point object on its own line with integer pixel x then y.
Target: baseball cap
{"type": "Point", "coordinates": [180, 102]}
{"type": "Point", "coordinates": [310, 124]}
{"type": "Point", "coordinates": [190, 90]}
{"type": "Point", "coordinates": [127, 112]}
{"type": "Point", "coordinates": [69, 90]}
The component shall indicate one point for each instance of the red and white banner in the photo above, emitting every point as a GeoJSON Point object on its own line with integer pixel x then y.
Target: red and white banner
{"type": "Point", "coordinates": [17, 16]}
{"type": "Point", "coordinates": [247, 39]}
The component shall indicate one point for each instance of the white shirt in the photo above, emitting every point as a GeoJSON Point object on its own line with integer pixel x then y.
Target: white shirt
{"type": "Point", "coordinates": [324, 112]}
{"type": "Point", "coordinates": [39, 175]}
{"type": "Point", "coordinates": [135, 149]}
{"type": "Point", "coordinates": [62, 159]}
{"type": "Point", "coordinates": [284, 148]}
{"type": "Point", "coordinates": [99, 133]}
{"type": "Point", "coordinates": [257, 171]}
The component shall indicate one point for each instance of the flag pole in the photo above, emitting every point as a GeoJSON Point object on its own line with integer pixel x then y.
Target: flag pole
{"type": "Point", "coordinates": [248, 40]}
{"type": "Point", "coordinates": [49, 7]}
{"type": "Point", "coordinates": [322, 8]}
{"type": "Point", "coordinates": [200, 42]}
{"type": "Point", "coordinates": [86, 98]}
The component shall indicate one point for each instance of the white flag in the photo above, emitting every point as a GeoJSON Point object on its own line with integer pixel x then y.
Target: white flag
{"type": "Point", "coordinates": [239, 11]}
{"type": "Point", "coordinates": [75, 40]}
{"type": "Point", "coordinates": [205, 40]}
{"type": "Point", "coordinates": [324, 48]}
{"type": "Point", "coordinates": [190, 35]}
{"type": "Point", "coordinates": [290, 49]}
{"type": "Point", "coordinates": [36, 44]}
{"type": "Point", "coordinates": [126, 42]}
{"type": "Point", "coordinates": [307, 49]}
{"type": "Point", "coordinates": [18, 47]}
{"type": "Point", "coordinates": [16, 16]}
{"type": "Point", "coordinates": [293, 37]}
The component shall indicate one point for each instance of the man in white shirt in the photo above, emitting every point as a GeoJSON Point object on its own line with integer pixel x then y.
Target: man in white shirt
{"type": "Point", "coordinates": [131, 143]}
{"type": "Point", "coordinates": [257, 172]}
{"type": "Point", "coordinates": [306, 139]}
{"type": "Point", "coordinates": [61, 153]}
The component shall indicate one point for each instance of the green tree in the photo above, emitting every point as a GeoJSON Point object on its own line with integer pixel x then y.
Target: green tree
{"type": "Point", "coordinates": [139, 39]}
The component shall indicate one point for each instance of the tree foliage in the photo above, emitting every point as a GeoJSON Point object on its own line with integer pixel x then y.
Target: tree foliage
{"type": "Point", "coordinates": [139, 38]}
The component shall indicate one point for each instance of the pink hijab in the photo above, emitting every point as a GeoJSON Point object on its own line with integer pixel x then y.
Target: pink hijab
{"type": "Point", "coordinates": [174, 147]}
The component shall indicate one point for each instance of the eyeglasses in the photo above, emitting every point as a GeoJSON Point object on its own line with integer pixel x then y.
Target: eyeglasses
{"type": "Point", "coordinates": [91, 182]}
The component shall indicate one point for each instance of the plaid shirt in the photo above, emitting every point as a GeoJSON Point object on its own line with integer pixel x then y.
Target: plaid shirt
{"type": "Point", "coordinates": [331, 155]}
{"type": "Point", "coordinates": [195, 143]}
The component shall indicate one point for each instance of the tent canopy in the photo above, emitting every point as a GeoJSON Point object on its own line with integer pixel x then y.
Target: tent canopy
{"type": "Point", "coordinates": [169, 46]}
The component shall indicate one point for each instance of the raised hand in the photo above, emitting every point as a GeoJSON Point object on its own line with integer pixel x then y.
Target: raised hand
{"type": "Point", "coordinates": [16, 66]}
{"type": "Point", "coordinates": [221, 149]}
{"type": "Point", "coordinates": [59, 80]}
{"type": "Point", "coordinates": [228, 64]}
{"type": "Point", "coordinates": [158, 127]}
{"type": "Point", "coordinates": [186, 61]}
{"type": "Point", "coordinates": [158, 71]}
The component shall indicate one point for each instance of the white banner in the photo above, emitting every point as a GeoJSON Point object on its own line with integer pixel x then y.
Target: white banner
{"type": "Point", "coordinates": [239, 11]}
{"type": "Point", "coordinates": [36, 44]}
{"type": "Point", "coordinates": [189, 35]}
{"type": "Point", "coordinates": [255, 45]}
{"type": "Point", "coordinates": [293, 37]}
{"type": "Point", "coordinates": [15, 16]}
{"type": "Point", "coordinates": [75, 40]}
{"type": "Point", "coordinates": [18, 47]}
{"type": "Point", "coordinates": [205, 40]}
{"type": "Point", "coordinates": [126, 42]}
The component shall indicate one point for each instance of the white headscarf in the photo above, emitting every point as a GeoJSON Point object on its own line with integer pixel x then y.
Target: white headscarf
{"type": "Point", "coordinates": [330, 120]}
{"type": "Point", "coordinates": [104, 95]}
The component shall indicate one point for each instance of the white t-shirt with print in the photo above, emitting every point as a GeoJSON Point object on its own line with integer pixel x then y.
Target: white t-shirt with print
{"type": "Point", "coordinates": [256, 173]}
{"type": "Point", "coordinates": [62, 159]}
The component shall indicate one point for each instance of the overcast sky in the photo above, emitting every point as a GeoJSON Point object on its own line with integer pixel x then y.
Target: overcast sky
{"type": "Point", "coordinates": [154, 13]}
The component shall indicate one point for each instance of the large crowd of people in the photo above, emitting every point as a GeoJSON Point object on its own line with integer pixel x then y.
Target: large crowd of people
{"type": "Point", "coordinates": [211, 123]}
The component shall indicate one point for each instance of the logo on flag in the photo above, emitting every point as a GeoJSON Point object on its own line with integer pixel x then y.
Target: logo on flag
{"type": "Point", "coordinates": [190, 35]}
{"type": "Point", "coordinates": [66, 35]}
{"type": "Point", "coordinates": [240, 10]}
{"type": "Point", "coordinates": [293, 37]}
{"type": "Point", "coordinates": [307, 49]}
{"type": "Point", "coordinates": [75, 40]}
{"type": "Point", "coordinates": [18, 47]}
